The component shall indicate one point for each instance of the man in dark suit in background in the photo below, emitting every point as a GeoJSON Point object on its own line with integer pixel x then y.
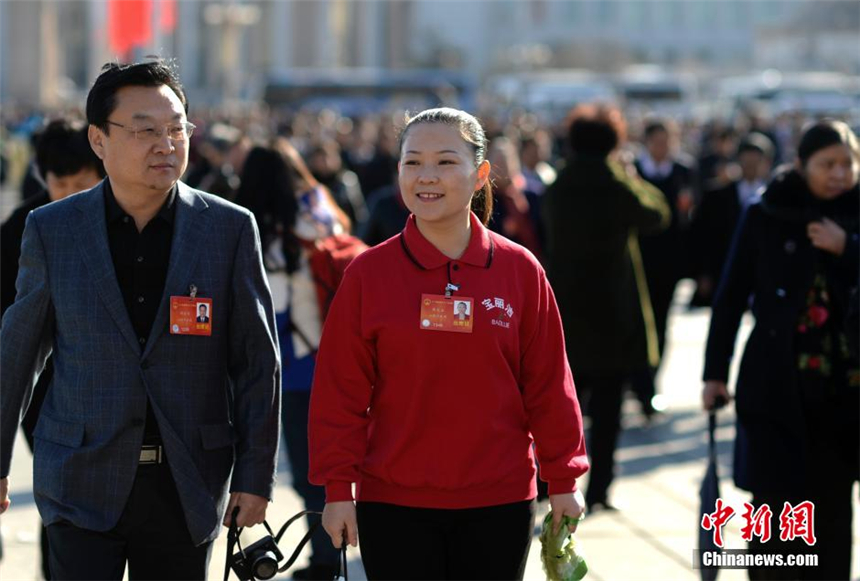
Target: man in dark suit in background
{"type": "Point", "coordinates": [663, 255]}
{"type": "Point", "coordinates": [717, 216]}
{"type": "Point", "coordinates": [142, 426]}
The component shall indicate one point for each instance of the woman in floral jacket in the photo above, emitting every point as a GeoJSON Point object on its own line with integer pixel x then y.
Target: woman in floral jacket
{"type": "Point", "coordinates": [798, 391]}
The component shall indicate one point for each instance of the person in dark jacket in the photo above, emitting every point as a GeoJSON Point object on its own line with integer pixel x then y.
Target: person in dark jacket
{"type": "Point", "coordinates": [513, 216]}
{"type": "Point", "coordinates": [796, 254]}
{"type": "Point", "coordinates": [67, 165]}
{"type": "Point", "coordinates": [717, 216]}
{"type": "Point", "coordinates": [593, 213]}
{"type": "Point", "coordinates": [388, 215]}
{"type": "Point", "coordinates": [326, 163]}
{"type": "Point", "coordinates": [664, 254]}
{"type": "Point", "coordinates": [294, 212]}
{"type": "Point", "coordinates": [719, 145]}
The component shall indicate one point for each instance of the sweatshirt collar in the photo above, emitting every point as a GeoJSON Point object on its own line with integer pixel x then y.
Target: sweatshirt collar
{"type": "Point", "coordinates": [479, 252]}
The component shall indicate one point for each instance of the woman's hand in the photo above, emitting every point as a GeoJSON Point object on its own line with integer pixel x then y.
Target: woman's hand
{"type": "Point", "coordinates": [570, 504]}
{"type": "Point", "coordinates": [827, 235]}
{"type": "Point", "coordinates": [714, 392]}
{"type": "Point", "coordinates": [339, 517]}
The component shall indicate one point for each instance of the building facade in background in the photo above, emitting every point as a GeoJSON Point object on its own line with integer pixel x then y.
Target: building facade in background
{"type": "Point", "coordinates": [52, 49]}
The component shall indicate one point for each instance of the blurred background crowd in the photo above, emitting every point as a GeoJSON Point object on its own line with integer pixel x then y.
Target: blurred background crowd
{"type": "Point", "coordinates": [355, 157]}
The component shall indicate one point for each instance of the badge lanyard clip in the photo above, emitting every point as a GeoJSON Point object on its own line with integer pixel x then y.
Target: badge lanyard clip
{"type": "Point", "coordinates": [450, 289]}
{"type": "Point", "coordinates": [192, 291]}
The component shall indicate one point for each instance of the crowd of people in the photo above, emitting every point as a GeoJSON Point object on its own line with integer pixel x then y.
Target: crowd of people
{"type": "Point", "coordinates": [559, 247]}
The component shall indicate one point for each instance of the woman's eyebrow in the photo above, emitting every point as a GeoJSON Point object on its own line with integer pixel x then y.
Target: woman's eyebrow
{"type": "Point", "coordinates": [438, 152]}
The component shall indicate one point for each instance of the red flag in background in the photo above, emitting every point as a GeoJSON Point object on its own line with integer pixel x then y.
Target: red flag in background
{"type": "Point", "coordinates": [167, 15]}
{"type": "Point", "coordinates": [129, 25]}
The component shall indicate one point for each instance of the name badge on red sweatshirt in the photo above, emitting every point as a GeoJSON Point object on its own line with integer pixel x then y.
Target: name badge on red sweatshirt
{"type": "Point", "coordinates": [190, 316]}
{"type": "Point", "coordinates": [441, 313]}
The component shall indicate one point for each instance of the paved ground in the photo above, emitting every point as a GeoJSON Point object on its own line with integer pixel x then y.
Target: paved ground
{"type": "Point", "coordinates": [651, 537]}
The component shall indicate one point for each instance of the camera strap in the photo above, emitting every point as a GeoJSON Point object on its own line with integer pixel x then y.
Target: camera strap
{"type": "Point", "coordinates": [344, 573]}
{"type": "Point", "coordinates": [234, 532]}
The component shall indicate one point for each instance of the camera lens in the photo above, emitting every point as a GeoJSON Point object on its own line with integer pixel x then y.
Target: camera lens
{"type": "Point", "coordinates": [265, 566]}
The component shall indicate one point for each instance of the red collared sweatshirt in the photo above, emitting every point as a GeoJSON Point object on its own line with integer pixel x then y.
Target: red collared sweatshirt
{"type": "Point", "coordinates": [440, 419]}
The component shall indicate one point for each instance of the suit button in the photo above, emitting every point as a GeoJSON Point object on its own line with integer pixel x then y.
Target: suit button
{"type": "Point", "coordinates": [780, 292]}
{"type": "Point", "coordinates": [772, 333]}
{"type": "Point", "coordinates": [137, 422]}
{"type": "Point", "coordinates": [145, 365]}
{"type": "Point", "coordinates": [141, 340]}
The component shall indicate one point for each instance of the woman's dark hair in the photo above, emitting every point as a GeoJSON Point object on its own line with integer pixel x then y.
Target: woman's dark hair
{"type": "Point", "coordinates": [472, 133]}
{"type": "Point", "coordinates": [267, 190]}
{"type": "Point", "coordinates": [823, 134]}
{"type": "Point", "coordinates": [595, 129]}
{"type": "Point", "coordinates": [63, 149]}
{"type": "Point", "coordinates": [101, 100]}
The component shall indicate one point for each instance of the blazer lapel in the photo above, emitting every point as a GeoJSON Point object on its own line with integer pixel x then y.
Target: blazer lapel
{"type": "Point", "coordinates": [186, 248]}
{"type": "Point", "coordinates": [91, 236]}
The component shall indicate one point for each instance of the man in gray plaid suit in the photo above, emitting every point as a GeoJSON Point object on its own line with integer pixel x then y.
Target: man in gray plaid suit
{"type": "Point", "coordinates": [148, 412]}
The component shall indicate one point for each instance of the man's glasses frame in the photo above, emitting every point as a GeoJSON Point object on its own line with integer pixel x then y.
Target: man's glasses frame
{"type": "Point", "coordinates": [179, 131]}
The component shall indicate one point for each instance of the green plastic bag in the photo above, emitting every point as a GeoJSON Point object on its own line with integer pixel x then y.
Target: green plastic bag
{"type": "Point", "coordinates": [558, 553]}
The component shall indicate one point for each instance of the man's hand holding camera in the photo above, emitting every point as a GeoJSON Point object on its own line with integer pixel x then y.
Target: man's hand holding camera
{"type": "Point", "coordinates": [252, 509]}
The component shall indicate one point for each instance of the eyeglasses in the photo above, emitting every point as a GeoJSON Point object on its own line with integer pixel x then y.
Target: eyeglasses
{"type": "Point", "coordinates": [175, 131]}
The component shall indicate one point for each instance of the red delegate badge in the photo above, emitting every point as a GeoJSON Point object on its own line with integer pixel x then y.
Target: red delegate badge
{"type": "Point", "coordinates": [441, 313]}
{"type": "Point", "coordinates": [190, 316]}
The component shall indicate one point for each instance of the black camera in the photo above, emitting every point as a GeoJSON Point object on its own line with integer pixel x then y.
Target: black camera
{"type": "Point", "coordinates": [258, 561]}
{"type": "Point", "coordinates": [261, 559]}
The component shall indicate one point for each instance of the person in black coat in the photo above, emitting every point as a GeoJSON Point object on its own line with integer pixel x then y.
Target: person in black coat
{"type": "Point", "coordinates": [594, 212]}
{"type": "Point", "coordinates": [67, 165]}
{"type": "Point", "coordinates": [717, 216]}
{"type": "Point", "coordinates": [796, 254]}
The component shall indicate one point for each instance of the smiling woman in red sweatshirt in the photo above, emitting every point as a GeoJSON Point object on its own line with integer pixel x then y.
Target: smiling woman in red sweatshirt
{"type": "Point", "coordinates": [431, 416]}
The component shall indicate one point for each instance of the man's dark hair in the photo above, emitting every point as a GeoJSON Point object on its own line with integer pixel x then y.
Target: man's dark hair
{"type": "Point", "coordinates": [757, 142]}
{"type": "Point", "coordinates": [655, 126]}
{"type": "Point", "coordinates": [101, 100]}
{"type": "Point", "coordinates": [63, 149]}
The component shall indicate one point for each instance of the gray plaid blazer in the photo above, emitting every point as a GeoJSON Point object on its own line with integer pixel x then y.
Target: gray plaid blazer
{"type": "Point", "coordinates": [216, 398]}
